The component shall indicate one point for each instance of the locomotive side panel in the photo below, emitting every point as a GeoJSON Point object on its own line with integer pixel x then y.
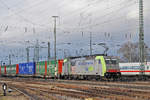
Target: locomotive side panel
{"type": "Point", "coordinates": [86, 67]}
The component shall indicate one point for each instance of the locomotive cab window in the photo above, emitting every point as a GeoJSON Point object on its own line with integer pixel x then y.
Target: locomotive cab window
{"type": "Point", "coordinates": [99, 61]}
{"type": "Point", "coordinates": [73, 63]}
{"type": "Point", "coordinates": [108, 61]}
{"type": "Point", "coordinates": [114, 61]}
{"type": "Point", "coordinates": [111, 61]}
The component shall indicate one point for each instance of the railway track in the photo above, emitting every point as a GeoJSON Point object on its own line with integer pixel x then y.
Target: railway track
{"type": "Point", "coordinates": [25, 93]}
{"type": "Point", "coordinates": [33, 93]}
{"type": "Point", "coordinates": [86, 92]}
{"type": "Point", "coordinates": [80, 90]}
{"type": "Point", "coordinates": [51, 93]}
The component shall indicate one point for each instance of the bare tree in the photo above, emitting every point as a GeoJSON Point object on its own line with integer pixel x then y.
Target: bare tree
{"type": "Point", "coordinates": [129, 52]}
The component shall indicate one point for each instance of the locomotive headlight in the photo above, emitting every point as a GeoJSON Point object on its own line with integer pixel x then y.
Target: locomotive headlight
{"type": "Point", "coordinates": [4, 86]}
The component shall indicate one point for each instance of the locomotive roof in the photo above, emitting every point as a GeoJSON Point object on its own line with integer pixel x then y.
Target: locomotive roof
{"type": "Point", "coordinates": [87, 56]}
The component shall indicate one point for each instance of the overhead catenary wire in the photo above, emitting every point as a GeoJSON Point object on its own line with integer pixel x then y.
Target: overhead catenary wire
{"type": "Point", "coordinates": [109, 14]}
{"type": "Point", "coordinates": [46, 15]}
{"type": "Point", "coordinates": [105, 23]}
{"type": "Point", "coordinates": [26, 8]}
{"type": "Point", "coordinates": [20, 16]}
{"type": "Point", "coordinates": [87, 8]}
{"type": "Point", "coordinates": [115, 10]}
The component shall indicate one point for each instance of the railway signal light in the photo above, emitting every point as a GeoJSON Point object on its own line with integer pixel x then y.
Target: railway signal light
{"type": "Point", "coordinates": [4, 86]}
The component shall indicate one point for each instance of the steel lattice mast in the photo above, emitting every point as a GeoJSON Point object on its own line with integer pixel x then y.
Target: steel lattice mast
{"type": "Point", "coordinates": [141, 36]}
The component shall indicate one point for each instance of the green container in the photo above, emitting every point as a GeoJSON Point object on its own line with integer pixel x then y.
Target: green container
{"type": "Point", "coordinates": [40, 68]}
{"type": "Point", "coordinates": [48, 68]}
{"type": "Point", "coordinates": [51, 66]}
{"type": "Point", "coordinates": [10, 69]}
{"type": "Point", "coordinates": [13, 69]}
{"type": "Point", "coordinates": [2, 70]}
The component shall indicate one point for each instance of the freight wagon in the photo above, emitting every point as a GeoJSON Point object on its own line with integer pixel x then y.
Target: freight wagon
{"type": "Point", "coordinates": [90, 67]}
{"type": "Point", "coordinates": [44, 69]}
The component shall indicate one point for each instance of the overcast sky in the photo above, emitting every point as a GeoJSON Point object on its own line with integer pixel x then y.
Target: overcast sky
{"type": "Point", "coordinates": [109, 21]}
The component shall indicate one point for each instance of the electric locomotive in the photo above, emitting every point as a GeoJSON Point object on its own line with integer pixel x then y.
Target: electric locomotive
{"type": "Point", "coordinates": [91, 67]}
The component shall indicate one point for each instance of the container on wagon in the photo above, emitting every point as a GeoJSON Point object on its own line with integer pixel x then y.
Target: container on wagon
{"type": "Point", "coordinates": [60, 64]}
{"type": "Point", "coordinates": [46, 68]}
{"type": "Point", "coordinates": [40, 68]}
{"type": "Point", "coordinates": [2, 70]}
{"type": "Point", "coordinates": [11, 70]}
{"type": "Point", "coordinates": [27, 68]}
{"type": "Point", "coordinates": [52, 68]}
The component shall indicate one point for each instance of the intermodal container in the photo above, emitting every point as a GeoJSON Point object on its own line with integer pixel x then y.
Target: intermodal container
{"type": "Point", "coordinates": [2, 70]}
{"type": "Point", "coordinates": [48, 68]}
{"type": "Point", "coordinates": [60, 64]}
{"type": "Point", "coordinates": [40, 68]}
{"type": "Point", "coordinates": [8, 70]}
{"type": "Point", "coordinates": [5, 70]}
{"type": "Point", "coordinates": [17, 68]}
{"type": "Point", "coordinates": [11, 69]}
{"type": "Point", "coordinates": [52, 68]}
{"type": "Point", "coordinates": [27, 68]}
